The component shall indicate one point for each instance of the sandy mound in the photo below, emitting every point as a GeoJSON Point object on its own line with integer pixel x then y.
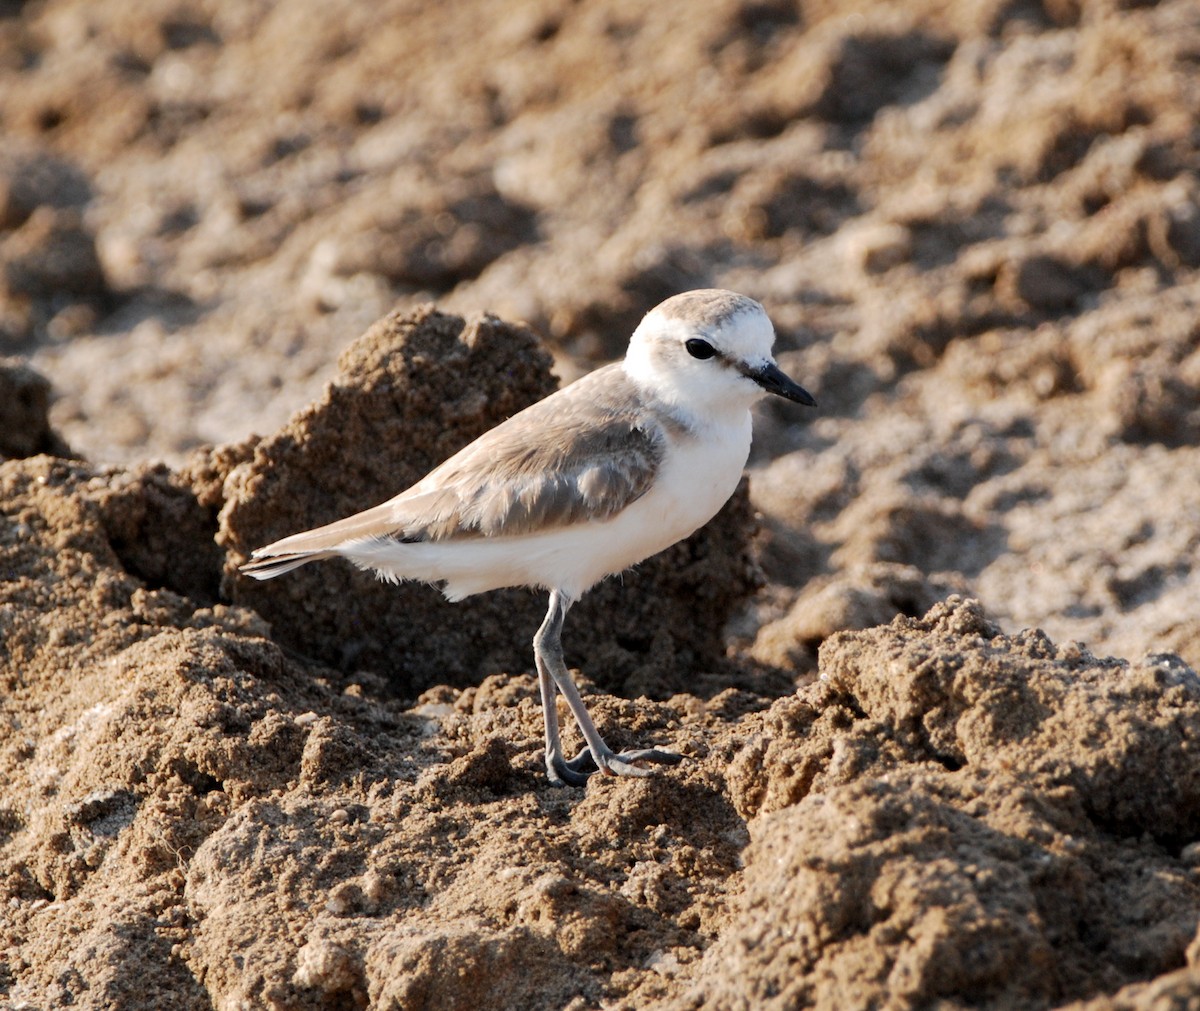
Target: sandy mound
{"type": "Point", "coordinates": [976, 228]}
{"type": "Point", "coordinates": [947, 812]}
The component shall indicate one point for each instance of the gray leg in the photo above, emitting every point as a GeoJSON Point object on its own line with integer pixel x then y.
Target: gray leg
{"type": "Point", "coordinates": [560, 771]}
{"type": "Point", "coordinates": [552, 672]}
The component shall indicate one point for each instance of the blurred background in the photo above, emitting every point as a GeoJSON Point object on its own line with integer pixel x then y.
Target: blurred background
{"type": "Point", "coordinates": [974, 223]}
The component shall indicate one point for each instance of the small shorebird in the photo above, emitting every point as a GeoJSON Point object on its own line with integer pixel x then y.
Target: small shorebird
{"type": "Point", "coordinates": [583, 484]}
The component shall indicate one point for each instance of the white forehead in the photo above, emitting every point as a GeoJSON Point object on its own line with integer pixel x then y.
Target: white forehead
{"type": "Point", "coordinates": [733, 323]}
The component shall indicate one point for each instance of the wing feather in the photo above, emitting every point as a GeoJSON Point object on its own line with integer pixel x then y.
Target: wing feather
{"type": "Point", "coordinates": [562, 461]}
{"type": "Point", "coordinates": [567, 459]}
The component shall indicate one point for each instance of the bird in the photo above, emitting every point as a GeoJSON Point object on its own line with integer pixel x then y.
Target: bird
{"type": "Point", "coordinates": [584, 484]}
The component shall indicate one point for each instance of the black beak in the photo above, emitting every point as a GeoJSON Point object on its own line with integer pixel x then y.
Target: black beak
{"type": "Point", "coordinates": [771, 379]}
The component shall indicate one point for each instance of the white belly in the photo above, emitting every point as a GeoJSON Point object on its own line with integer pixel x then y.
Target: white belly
{"type": "Point", "coordinates": [696, 479]}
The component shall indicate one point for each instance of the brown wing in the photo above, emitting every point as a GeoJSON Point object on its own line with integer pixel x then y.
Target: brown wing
{"type": "Point", "coordinates": [564, 460]}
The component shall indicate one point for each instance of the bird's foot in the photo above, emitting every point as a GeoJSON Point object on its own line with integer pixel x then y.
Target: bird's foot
{"type": "Point", "coordinates": [627, 763]}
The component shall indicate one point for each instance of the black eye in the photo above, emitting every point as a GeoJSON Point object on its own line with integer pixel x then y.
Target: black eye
{"type": "Point", "coordinates": [699, 349]}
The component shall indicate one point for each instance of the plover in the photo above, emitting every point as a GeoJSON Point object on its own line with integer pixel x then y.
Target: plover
{"type": "Point", "coordinates": [581, 485]}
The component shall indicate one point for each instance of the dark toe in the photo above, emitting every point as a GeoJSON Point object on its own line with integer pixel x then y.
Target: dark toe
{"type": "Point", "coordinates": [572, 773]}
{"type": "Point", "coordinates": [651, 755]}
{"type": "Point", "coordinates": [583, 762]}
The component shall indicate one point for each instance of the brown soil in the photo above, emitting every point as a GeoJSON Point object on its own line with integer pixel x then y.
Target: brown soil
{"type": "Point", "coordinates": [976, 228]}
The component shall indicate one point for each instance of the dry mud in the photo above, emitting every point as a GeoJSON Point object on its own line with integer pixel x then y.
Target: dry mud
{"type": "Point", "coordinates": [261, 265]}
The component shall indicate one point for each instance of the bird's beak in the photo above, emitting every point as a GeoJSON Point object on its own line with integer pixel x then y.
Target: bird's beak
{"type": "Point", "coordinates": [773, 380]}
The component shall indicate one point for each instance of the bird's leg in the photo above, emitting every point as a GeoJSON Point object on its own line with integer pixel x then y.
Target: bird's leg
{"type": "Point", "coordinates": [561, 772]}
{"type": "Point", "coordinates": [552, 672]}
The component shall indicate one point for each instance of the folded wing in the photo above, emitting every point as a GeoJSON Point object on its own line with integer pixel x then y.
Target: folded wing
{"type": "Point", "coordinates": [562, 461]}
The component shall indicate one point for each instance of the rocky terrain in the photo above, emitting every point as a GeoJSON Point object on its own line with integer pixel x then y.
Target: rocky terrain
{"type": "Point", "coordinates": [933, 670]}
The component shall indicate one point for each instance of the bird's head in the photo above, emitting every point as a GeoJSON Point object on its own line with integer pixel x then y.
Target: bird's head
{"type": "Point", "coordinates": [709, 352]}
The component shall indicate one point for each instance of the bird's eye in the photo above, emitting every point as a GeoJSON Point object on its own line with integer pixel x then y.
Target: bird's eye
{"type": "Point", "coordinates": [699, 349]}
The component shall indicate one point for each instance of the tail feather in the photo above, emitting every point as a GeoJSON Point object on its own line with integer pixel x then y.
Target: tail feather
{"type": "Point", "coordinates": [265, 566]}
{"type": "Point", "coordinates": [373, 522]}
{"type": "Point", "coordinates": [322, 542]}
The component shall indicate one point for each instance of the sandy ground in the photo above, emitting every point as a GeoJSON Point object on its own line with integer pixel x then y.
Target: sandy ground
{"type": "Point", "coordinates": [264, 264]}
